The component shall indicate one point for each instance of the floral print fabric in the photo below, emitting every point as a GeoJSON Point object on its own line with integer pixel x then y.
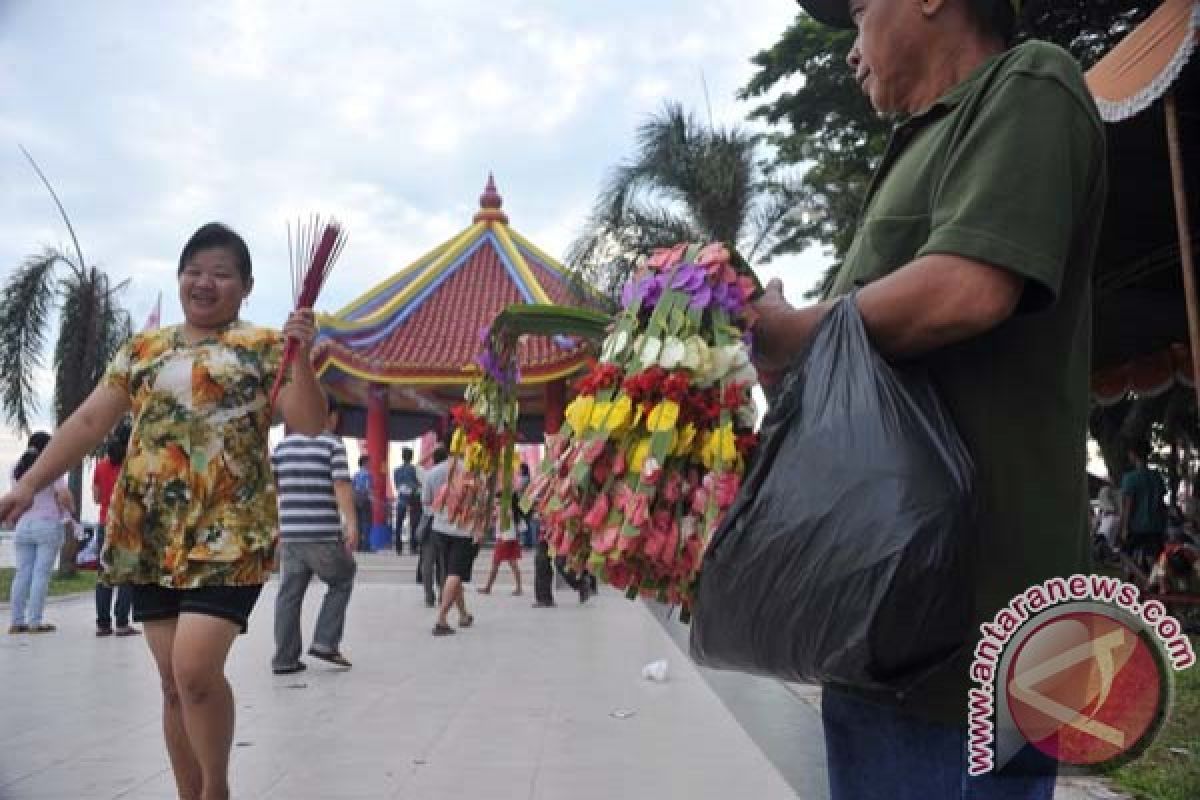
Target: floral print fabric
{"type": "Point", "coordinates": [195, 503]}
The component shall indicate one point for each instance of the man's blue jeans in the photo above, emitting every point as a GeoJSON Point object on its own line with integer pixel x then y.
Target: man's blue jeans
{"type": "Point", "coordinates": [876, 753]}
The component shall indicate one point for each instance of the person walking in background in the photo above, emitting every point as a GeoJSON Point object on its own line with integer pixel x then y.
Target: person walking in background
{"type": "Point", "coordinates": [458, 551]}
{"type": "Point", "coordinates": [507, 550]}
{"type": "Point", "coordinates": [408, 500]}
{"type": "Point", "coordinates": [521, 520]}
{"type": "Point", "coordinates": [432, 563]}
{"type": "Point", "coordinates": [37, 541]}
{"type": "Point", "coordinates": [543, 575]}
{"type": "Point", "coordinates": [192, 520]}
{"type": "Point", "coordinates": [362, 503]}
{"type": "Point", "coordinates": [104, 480]}
{"type": "Point", "coordinates": [1143, 513]}
{"type": "Point", "coordinates": [312, 478]}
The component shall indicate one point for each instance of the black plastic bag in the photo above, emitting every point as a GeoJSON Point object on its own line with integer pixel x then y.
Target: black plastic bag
{"type": "Point", "coordinates": [844, 559]}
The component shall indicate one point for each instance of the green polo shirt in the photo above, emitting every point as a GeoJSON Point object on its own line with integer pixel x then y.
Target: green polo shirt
{"type": "Point", "coordinates": [1008, 169]}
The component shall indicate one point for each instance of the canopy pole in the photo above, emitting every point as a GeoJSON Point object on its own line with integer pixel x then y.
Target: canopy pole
{"type": "Point", "coordinates": [1185, 238]}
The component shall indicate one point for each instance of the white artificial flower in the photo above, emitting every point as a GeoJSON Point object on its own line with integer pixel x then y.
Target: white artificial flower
{"type": "Point", "coordinates": [649, 349]}
{"type": "Point", "coordinates": [672, 353]}
{"type": "Point", "coordinates": [614, 345]}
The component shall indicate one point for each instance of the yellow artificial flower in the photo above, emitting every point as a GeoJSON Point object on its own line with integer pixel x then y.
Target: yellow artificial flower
{"type": "Point", "coordinates": [599, 414]}
{"type": "Point", "coordinates": [619, 415]}
{"type": "Point", "coordinates": [639, 454]}
{"type": "Point", "coordinates": [456, 442]}
{"type": "Point", "coordinates": [720, 446]}
{"type": "Point", "coordinates": [687, 436]}
{"type": "Point", "coordinates": [578, 413]}
{"type": "Point", "coordinates": [663, 417]}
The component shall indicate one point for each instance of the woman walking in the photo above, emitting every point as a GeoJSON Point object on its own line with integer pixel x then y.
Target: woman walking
{"type": "Point", "coordinates": [193, 516]}
{"type": "Point", "coordinates": [104, 480]}
{"type": "Point", "coordinates": [38, 539]}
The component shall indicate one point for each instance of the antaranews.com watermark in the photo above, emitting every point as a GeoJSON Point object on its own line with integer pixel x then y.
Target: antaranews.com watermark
{"type": "Point", "coordinates": [1079, 668]}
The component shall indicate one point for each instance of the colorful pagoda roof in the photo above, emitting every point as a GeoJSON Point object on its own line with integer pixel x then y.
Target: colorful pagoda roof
{"type": "Point", "coordinates": [420, 327]}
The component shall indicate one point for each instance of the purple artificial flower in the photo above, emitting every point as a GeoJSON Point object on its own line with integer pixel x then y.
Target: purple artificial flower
{"type": "Point", "coordinates": [688, 278]}
{"type": "Point", "coordinates": [647, 290]}
{"type": "Point", "coordinates": [702, 297]}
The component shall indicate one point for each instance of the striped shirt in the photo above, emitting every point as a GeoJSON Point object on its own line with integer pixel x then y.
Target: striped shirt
{"type": "Point", "coordinates": [305, 470]}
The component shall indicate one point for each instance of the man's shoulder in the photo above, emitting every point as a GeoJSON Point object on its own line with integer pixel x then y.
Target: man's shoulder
{"type": "Point", "coordinates": [1047, 61]}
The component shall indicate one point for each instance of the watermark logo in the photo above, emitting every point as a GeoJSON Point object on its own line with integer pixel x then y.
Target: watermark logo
{"type": "Point", "coordinates": [1080, 668]}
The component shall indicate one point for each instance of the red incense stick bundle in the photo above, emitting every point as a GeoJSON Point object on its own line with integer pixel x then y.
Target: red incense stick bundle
{"type": "Point", "coordinates": [308, 276]}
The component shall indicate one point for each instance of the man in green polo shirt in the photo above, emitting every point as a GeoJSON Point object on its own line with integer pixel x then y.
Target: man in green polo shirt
{"type": "Point", "coordinates": [973, 255]}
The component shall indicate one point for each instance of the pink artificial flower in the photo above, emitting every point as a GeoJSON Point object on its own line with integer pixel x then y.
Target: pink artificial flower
{"type": "Point", "coordinates": [713, 253]}
{"type": "Point", "coordinates": [628, 545]}
{"type": "Point", "coordinates": [727, 489]}
{"type": "Point", "coordinates": [667, 257]}
{"type": "Point", "coordinates": [672, 490]}
{"type": "Point", "coordinates": [619, 463]}
{"type": "Point", "coordinates": [699, 500]}
{"type": "Point", "coordinates": [601, 470]}
{"type": "Point", "coordinates": [603, 541]}
{"type": "Point", "coordinates": [597, 514]}
{"type": "Point", "coordinates": [637, 511]}
{"type": "Point", "coordinates": [592, 450]}
{"type": "Point", "coordinates": [651, 471]}
{"type": "Point", "coordinates": [623, 497]}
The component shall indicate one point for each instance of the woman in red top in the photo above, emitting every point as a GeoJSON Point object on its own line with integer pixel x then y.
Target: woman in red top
{"type": "Point", "coordinates": [104, 479]}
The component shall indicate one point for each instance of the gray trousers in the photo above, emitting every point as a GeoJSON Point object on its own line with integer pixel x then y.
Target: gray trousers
{"type": "Point", "coordinates": [330, 562]}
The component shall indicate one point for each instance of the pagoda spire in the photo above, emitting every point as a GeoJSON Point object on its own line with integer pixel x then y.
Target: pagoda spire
{"type": "Point", "coordinates": [491, 204]}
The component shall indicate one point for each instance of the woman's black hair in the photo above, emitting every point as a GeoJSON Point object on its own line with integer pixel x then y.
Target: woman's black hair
{"type": "Point", "coordinates": [37, 443]}
{"type": "Point", "coordinates": [115, 451]}
{"type": "Point", "coordinates": [216, 235]}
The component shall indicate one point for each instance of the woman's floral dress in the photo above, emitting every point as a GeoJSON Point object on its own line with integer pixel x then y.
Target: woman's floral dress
{"type": "Point", "coordinates": [195, 502]}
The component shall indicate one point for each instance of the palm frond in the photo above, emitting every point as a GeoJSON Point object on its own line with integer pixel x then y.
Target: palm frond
{"type": "Point", "coordinates": [26, 302]}
{"type": "Point", "coordinates": [80, 340]}
{"type": "Point", "coordinates": [78, 266]}
{"type": "Point", "coordinates": [550, 320]}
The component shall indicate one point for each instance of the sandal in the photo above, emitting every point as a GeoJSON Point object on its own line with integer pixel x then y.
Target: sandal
{"type": "Point", "coordinates": [299, 666]}
{"type": "Point", "coordinates": [332, 656]}
{"type": "Point", "coordinates": [15, 629]}
{"type": "Point", "coordinates": [484, 590]}
{"type": "Point", "coordinates": [442, 630]}
{"type": "Point", "coordinates": [466, 622]}
{"type": "Point", "coordinates": [45, 627]}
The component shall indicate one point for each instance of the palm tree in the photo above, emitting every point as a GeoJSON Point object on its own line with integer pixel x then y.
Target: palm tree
{"type": "Point", "coordinates": [686, 182]}
{"type": "Point", "coordinates": [91, 326]}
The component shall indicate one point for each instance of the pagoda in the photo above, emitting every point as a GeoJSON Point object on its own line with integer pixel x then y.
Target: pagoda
{"type": "Point", "coordinates": [398, 358]}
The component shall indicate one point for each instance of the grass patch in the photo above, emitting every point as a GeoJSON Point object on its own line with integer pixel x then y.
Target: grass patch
{"type": "Point", "coordinates": [1161, 774]}
{"type": "Point", "coordinates": [83, 581]}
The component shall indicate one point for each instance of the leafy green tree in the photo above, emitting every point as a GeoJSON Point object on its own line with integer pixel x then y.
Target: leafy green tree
{"type": "Point", "coordinates": [56, 287]}
{"type": "Point", "coordinates": [685, 182]}
{"type": "Point", "coordinates": [826, 128]}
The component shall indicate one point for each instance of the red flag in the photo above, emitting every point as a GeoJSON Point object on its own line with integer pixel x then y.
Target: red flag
{"type": "Point", "coordinates": [155, 319]}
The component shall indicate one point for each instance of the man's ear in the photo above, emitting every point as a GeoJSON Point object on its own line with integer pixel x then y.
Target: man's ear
{"type": "Point", "coordinates": [930, 8]}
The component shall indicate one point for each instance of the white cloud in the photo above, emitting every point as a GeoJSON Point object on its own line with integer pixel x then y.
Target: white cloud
{"type": "Point", "coordinates": [153, 118]}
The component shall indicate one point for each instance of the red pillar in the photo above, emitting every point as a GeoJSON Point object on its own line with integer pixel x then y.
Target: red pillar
{"type": "Point", "coordinates": [556, 405]}
{"type": "Point", "coordinates": [377, 454]}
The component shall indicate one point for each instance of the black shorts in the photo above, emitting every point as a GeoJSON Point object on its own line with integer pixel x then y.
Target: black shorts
{"type": "Point", "coordinates": [152, 603]}
{"type": "Point", "coordinates": [459, 553]}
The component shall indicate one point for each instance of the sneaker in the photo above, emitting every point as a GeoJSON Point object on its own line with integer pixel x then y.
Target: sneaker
{"type": "Point", "coordinates": [15, 629]}
{"type": "Point", "coordinates": [443, 630]}
{"type": "Point", "coordinates": [299, 666]}
{"type": "Point", "coordinates": [331, 656]}
{"type": "Point", "coordinates": [44, 627]}
{"type": "Point", "coordinates": [104, 631]}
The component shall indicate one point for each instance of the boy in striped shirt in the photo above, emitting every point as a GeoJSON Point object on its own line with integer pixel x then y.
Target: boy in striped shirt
{"type": "Point", "coordinates": [316, 503]}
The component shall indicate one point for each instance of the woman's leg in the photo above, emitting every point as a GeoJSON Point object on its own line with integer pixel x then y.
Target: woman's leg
{"type": "Point", "coordinates": [516, 569]}
{"type": "Point", "coordinates": [491, 578]}
{"type": "Point", "coordinates": [160, 636]}
{"type": "Point", "coordinates": [49, 542]}
{"type": "Point", "coordinates": [26, 556]}
{"type": "Point", "coordinates": [198, 660]}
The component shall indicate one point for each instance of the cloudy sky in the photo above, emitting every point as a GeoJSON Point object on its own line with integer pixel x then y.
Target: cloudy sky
{"type": "Point", "coordinates": [152, 118]}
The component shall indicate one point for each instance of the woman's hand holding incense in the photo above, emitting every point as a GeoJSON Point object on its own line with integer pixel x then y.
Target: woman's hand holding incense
{"type": "Point", "coordinates": [301, 326]}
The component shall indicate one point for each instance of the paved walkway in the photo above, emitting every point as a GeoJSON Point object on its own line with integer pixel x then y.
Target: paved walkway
{"type": "Point", "coordinates": [530, 703]}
